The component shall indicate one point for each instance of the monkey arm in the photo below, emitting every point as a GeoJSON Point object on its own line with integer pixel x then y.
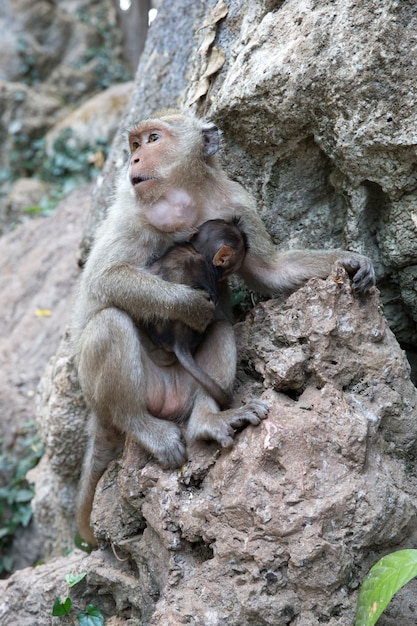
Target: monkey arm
{"type": "Point", "coordinates": [288, 270]}
{"type": "Point", "coordinates": [268, 270]}
{"type": "Point", "coordinates": [146, 297]}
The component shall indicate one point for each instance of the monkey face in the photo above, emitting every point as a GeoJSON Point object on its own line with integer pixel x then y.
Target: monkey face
{"type": "Point", "coordinates": [149, 146]}
{"type": "Point", "coordinates": [169, 153]}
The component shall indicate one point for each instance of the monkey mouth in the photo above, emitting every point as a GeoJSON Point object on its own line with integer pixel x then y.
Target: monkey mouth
{"type": "Point", "coordinates": [137, 180]}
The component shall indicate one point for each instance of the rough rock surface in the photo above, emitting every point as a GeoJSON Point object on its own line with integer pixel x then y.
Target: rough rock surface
{"type": "Point", "coordinates": [38, 271]}
{"type": "Point", "coordinates": [322, 90]}
{"type": "Point", "coordinates": [96, 120]}
{"type": "Point", "coordinates": [282, 528]}
{"type": "Point", "coordinates": [53, 55]}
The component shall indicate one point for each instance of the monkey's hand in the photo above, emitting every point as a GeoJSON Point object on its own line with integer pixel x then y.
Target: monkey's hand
{"type": "Point", "coordinates": [361, 270]}
{"type": "Point", "coordinates": [195, 309]}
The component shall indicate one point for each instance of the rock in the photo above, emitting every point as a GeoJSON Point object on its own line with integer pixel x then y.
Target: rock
{"type": "Point", "coordinates": [54, 56]}
{"type": "Point", "coordinates": [96, 120]}
{"type": "Point", "coordinates": [318, 88]}
{"type": "Point", "coordinates": [28, 597]}
{"type": "Point", "coordinates": [24, 194]}
{"type": "Point", "coordinates": [276, 530]}
{"type": "Point", "coordinates": [26, 116]}
{"type": "Point", "coordinates": [38, 271]}
{"type": "Point", "coordinates": [62, 418]}
{"type": "Point", "coordinates": [44, 38]}
{"type": "Point", "coordinates": [323, 336]}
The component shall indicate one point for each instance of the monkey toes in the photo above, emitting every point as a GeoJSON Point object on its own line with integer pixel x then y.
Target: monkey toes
{"type": "Point", "coordinates": [250, 413]}
{"type": "Point", "coordinates": [222, 426]}
{"type": "Point", "coordinates": [170, 451]}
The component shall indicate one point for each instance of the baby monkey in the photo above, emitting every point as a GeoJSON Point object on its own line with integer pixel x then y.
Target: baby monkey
{"type": "Point", "coordinates": [217, 250]}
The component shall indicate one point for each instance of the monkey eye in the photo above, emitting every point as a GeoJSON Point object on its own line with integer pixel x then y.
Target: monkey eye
{"type": "Point", "coordinates": [135, 145]}
{"type": "Point", "coordinates": [153, 137]}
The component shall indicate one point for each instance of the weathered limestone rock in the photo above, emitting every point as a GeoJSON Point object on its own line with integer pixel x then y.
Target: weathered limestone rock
{"type": "Point", "coordinates": [24, 194]}
{"type": "Point", "coordinates": [62, 418]}
{"type": "Point", "coordinates": [43, 39]}
{"type": "Point", "coordinates": [27, 114]}
{"type": "Point", "coordinates": [96, 120]}
{"type": "Point", "coordinates": [53, 54]}
{"type": "Point", "coordinates": [282, 528]}
{"type": "Point", "coordinates": [323, 92]}
{"type": "Point", "coordinates": [38, 272]}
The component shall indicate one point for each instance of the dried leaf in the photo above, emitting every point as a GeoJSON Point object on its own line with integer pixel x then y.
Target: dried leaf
{"type": "Point", "coordinates": [97, 159]}
{"type": "Point", "coordinates": [215, 62]}
{"type": "Point", "coordinates": [201, 90]}
{"type": "Point", "coordinates": [43, 313]}
{"type": "Point", "coordinates": [209, 37]}
{"type": "Point", "coordinates": [219, 12]}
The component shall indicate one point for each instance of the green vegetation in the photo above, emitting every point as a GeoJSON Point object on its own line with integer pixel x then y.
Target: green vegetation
{"type": "Point", "coordinates": [92, 616]}
{"type": "Point", "coordinates": [15, 492]}
{"type": "Point", "coordinates": [385, 578]}
{"type": "Point", "coordinates": [108, 69]}
{"type": "Point", "coordinates": [72, 163]}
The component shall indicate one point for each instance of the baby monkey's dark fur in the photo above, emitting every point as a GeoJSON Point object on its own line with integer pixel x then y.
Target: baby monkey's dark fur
{"type": "Point", "coordinates": [214, 252]}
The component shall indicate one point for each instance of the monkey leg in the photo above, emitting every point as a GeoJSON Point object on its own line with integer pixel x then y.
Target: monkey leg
{"type": "Point", "coordinates": [217, 356]}
{"type": "Point", "coordinates": [120, 382]}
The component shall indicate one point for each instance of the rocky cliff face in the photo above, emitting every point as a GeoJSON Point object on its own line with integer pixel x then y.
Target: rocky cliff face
{"type": "Point", "coordinates": [314, 101]}
{"type": "Point", "coordinates": [55, 54]}
{"type": "Point", "coordinates": [282, 528]}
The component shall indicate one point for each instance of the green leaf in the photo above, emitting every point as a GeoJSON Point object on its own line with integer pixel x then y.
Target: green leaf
{"type": "Point", "coordinates": [61, 608]}
{"type": "Point", "coordinates": [6, 564]}
{"type": "Point", "coordinates": [32, 209]}
{"type": "Point", "coordinates": [92, 616]}
{"type": "Point", "coordinates": [24, 495]}
{"type": "Point", "coordinates": [4, 532]}
{"type": "Point", "coordinates": [385, 578]}
{"type": "Point", "coordinates": [74, 579]}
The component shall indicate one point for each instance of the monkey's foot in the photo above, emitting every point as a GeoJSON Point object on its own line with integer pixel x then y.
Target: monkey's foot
{"type": "Point", "coordinates": [165, 444]}
{"type": "Point", "coordinates": [221, 427]}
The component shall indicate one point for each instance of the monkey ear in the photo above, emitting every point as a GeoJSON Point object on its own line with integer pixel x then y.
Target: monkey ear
{"type": "Point", "coordinates": [222, 256]}
{"type": "Point", "coordinates": [211, 139]}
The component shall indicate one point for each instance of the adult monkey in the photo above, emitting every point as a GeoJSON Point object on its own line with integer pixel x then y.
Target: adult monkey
{"type": "Point", "coordinates": [172, 185]}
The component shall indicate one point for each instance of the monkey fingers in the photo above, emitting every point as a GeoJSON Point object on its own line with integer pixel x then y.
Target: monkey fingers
{"type": "Point", "coordinates": [364, 278]}
{"type": "Point", "coordinates": [362, 272]}
{"type": "Point", "coordinates": [200, 310]}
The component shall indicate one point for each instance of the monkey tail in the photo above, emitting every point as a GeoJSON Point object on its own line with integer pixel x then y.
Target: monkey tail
{"type": "Point", "coordinates": [222, 397]}
{"type": "Point", "coordinates": [102, 448]}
